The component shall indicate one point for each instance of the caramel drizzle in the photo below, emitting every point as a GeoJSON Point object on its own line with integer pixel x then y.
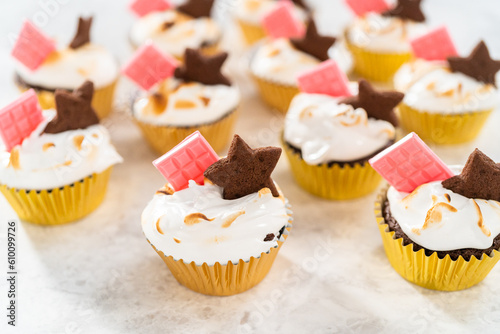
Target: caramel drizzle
{"type": "Point", "coordinates": [195, 218]}
{"type": "Point", "coordinates": [232, 218]}
{"type": "Point", "coordinates": [46, 146]}
{"type": "Point", "coordinates": [480, 221]}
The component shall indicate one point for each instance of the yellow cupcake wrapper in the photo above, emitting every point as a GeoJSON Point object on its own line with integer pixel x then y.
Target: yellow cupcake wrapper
{"type": "Point", "coordinates": [376, 66]}
{"type": "Point", "coordinates": [59, 205]}
{"type": "Point", "coordinates": [251, 32]}
{"type": "Point", "coordinates": [431, 272]}
{"type": "Point", "coordinates": [163, 138]}
{"type": "Point", "coordinates": [228, 279]}
{"type": "Point", "coordinates": [335, 182]}
{"type": "Point", "coordinates": [275, 94]}
{"type": "Point", "coordinates": [442, 128]}
{"type": "Point", "coordinates": [102, 100]}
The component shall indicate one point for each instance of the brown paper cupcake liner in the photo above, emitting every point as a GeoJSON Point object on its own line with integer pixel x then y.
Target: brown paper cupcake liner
{"type": "Point", "coordinates": [225, 279]}
{"type": "Point", "coordinates": [163, 138]}
{"type": "Point", "coordinates": [431, 272]}
{"type": "Point", "coordinates": [59, 205]}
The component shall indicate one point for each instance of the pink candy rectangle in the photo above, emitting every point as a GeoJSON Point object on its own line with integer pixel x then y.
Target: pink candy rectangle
{"type": "Point", "coordinates": [32, 46]}
{"type": "Point", "coordinates": [361, 7]}
{"type": "Point", "coordinates": [326, 78]}
{"type": "Point", "coordinates": [435, 45]}
{"type": "Point", "coordinates": [143, 7]}
{"type": "Point", "coordinates": [410, 163]}
{"type": "Point", "coordinates": [149, 66]}
{"type": "Point", "coordinates": [186, 161]}
{"type": "Point", "coordinates": [282, 23]}
{"type": "Point", "coordinates": [19, 119]}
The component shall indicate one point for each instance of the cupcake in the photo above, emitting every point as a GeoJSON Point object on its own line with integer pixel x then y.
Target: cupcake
{"type": "Point", "coordinates": [380, 42]}
{"type": "Point", "coordinates": [249, 15]}
{"type": "Point", "coordinates": [174, 30]}
{"type": "Point", "coordinates": [277, 63]}
{"type": "Point", "coordinates": [328, 140]}
{"type": "Point", "coordinates": [59, 172]}
{"type": "Point", "coordinates": [219, 237]}
{"type": "Point", "coordinates": [448, 102]}
{"type": "Point", "coordinates": [197, 98]}
{"type": "Point", "coordinates": [445, 234]}
{"type": "Point", "coordinates": [69, 67]}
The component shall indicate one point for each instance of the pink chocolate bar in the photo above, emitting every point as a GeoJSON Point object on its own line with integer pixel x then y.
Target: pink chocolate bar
{"type": "Point", "coordinates": [410, 163]}
{"type": "Point", "coordinates": [361, 7]}
{"type": "Point", "coordinates": [149, 66]}
{"type": "Point", "coordinates": [186, 161]}
{"type": "Point", "coordinates": [32, 46]}
{"type": "Point", "coordinates": [326, 78]}
{"type": "Point", "coordinates": [143, 7]}
{"type": "Point", "coordinates": [435, 45]}
{"type": "Point", "coordinates": [281, 22]}
{"type": "Point", "coordinates": [19, 119]}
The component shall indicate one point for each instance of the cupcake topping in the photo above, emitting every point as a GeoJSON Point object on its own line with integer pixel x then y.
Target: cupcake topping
{"type": "Point", "coordinates": [32, 47]}
{"type": "Point", "coordinates": [325, 130]}
{"type": "Point", "coordinates": [82, 35]}
{"type": "Point", "coordinates": [313, 43]}
{"type": "Point", "coordinates": [477, 65]}
{"type": "Point", "coordinates": [74, 110]}
{"type": "Point", "coordinates": [201, 68]}
{"type": "Point", "coordinates": [196, 8]}
{"type": "Point", "coordinates": [480, 178]}
{"type": "Point", "coordinates": [377, 104]}
{"type": "Point", "coordinates": [245, 170]}
{"type": "Point", "coordinates": [407, 10]}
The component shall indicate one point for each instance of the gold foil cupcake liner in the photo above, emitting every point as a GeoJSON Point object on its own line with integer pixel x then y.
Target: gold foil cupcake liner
{"type": "Point", "coordinates": [251, 32]}
{"type": "Point", "coordinates": [376, 66]}
{"type": "Point", "coordinates": [333, 182]}
{"type": "Point", "coordinates": [163, 138]}
{"type": "Point", "coordinates": [225, 279]}
{"type": "Point", "coordinates": [442, 128]}
{"type": "Point", "coordinates": [59, 205]}
{"type": "Point", "coordinates": [102, 101]}
{"type": "Point", "coordinates": [275, 94]}
{"type": "Point", "coordinates": [431, 272]}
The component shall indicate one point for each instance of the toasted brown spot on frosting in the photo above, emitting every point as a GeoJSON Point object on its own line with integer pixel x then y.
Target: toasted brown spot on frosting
{"type": "Point", "coordinates": [448, 197]}
{"type": "Point", "coordinates": [252, 5]}
{"type": "Point", "coordinates": [195, 218]}
{"type": "Point", "coordinates": [46, 146]}
{"type": "Point", "coordinates": [416, 231]}
{"type": "Point", "coordinates": [434, 199]}
{"type": "Point", "coordinates": [67, 163]}
{"type": "Point", "coordinates": [95, 135]}
{"type": "Point", "coordinates": [158, 226]}
{"type": "Point", "coordinates": [184, 104]}
{"type": "Point", "coordinates": [233, 217]}
{"type": "Point", "coordinates": [446, 93]}
{"type": "Point", "coordinates": [412, 194]}
{"type": "Point", "coordinates": [77, 141]}
{"type": "Point", "coordinates": [435, 215]}
{"type": "Point", "coordinates": [480, 221]}
{"type": "Point", "coordinates": [52, 57]}
{"type": "Point", "coordinates": [156, 105]}
{"type": "Point", "coordinates": [264, 191]}
{"type": "Point", "coordinates": [307, 112]}
{"type": "Point", "coordinates": [431, 85]}
{"type": "Point", "coordinates": [274, 52]}
{"type": "Point", "coordinates": [83, 71]}
{"type": "Point", "coordinates": [166, 25]}
{"type": "Point", "coordinates": [166, 190]}
{"type": "Point", "coordinates": [14, 158]}
{"type": "Point", "coordinates": [205, 100]}
{"type": "Point", "coordinates": [177, 240]}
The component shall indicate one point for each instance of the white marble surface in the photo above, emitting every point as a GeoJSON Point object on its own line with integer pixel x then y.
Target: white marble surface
{"type": "Point", "coordinates": [99, 275]}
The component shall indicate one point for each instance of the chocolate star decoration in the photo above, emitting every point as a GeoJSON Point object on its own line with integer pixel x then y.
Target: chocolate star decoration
{"type": "Point", "coordinates": [196, 8]}
{"type": "Point", "coordinates": [244, 171]}
{"type": "Point", "coordinates": [201, 68]}
{"type": "Point", "coordinates": [379, 105]}
{"type": "Point", "coordinates": [82, 35]}
{"type": "Point", "coordinates": [480, 178]}
{"type": "Point", "coordinates": [313, 43]}
{"type": "Point", "coordinates": [407, 10]}
{"type": "Point", "coordinates": [74, 110]}
{"type": "Point", "coordinates": [477, 65]}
